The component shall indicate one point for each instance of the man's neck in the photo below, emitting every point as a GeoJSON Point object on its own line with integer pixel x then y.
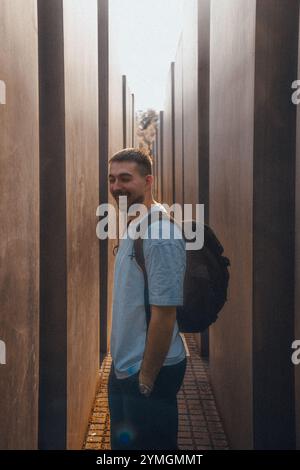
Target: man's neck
{"type": "Point", "coordinates": [148, 203]}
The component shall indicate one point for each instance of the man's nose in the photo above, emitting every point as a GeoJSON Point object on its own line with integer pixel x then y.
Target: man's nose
{"type": "Point", "coordinates": [115, 186]}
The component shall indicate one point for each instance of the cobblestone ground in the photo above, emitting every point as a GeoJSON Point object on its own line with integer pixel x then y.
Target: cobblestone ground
{"type": "Point", "coordinates": [200, 426]}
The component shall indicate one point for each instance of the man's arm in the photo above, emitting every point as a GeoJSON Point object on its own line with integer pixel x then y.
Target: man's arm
{"type": "Point", "coordinates": [158, 342]}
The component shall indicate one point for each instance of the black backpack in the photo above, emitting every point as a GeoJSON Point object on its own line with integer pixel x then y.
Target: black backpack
{"type": "Point", "coordinates": [205, 284]}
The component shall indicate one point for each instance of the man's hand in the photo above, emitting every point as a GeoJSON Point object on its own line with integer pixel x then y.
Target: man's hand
{"type": "Point", "coordinates": [158, 342]}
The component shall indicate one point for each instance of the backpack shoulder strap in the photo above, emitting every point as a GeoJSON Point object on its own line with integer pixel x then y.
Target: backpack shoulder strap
{"type": "Point", "coordinates": [140, 259]}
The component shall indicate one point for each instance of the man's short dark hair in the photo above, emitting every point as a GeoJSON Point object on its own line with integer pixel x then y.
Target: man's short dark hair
{"type": "Point", "coordinates": [139, 156]}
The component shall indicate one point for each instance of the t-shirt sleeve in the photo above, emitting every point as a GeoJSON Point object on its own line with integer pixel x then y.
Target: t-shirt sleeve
{"type": "Point", "coordinates": [165, 262]}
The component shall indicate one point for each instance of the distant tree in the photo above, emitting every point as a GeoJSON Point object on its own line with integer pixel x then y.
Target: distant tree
{"type": "Point", "coordinates": [146, 128]}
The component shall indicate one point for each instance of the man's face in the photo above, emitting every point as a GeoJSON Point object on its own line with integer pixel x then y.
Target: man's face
{"type": "Point", "coordinates": [126, 180]}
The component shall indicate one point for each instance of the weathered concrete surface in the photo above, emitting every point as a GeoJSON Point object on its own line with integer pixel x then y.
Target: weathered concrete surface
{"type": "Point", "coordinates": [19, 212]}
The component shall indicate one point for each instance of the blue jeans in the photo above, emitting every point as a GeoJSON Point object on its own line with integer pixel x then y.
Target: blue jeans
{"type": "Point", "coordinates": [140, 423]}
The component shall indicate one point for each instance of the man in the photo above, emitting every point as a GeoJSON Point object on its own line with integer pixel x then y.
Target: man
{"type": "Point", "coordinates": [148, 364]}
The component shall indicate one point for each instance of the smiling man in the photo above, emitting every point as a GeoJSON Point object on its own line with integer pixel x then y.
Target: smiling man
{"type": "Point", "coordinates": [149, 358]}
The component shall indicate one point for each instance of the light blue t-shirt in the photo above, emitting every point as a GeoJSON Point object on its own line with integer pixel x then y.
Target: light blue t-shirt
{"type": "Point", "coordinates": [165, 261]}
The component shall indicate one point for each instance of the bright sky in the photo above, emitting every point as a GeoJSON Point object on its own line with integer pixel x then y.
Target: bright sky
{"type": "Point", "coordinates": [148, 36]}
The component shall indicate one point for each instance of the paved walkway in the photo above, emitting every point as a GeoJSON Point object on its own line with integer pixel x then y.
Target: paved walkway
{"type": "Point", "coordinates": [200, 426]}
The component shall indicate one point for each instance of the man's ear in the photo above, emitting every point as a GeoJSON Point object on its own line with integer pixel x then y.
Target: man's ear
{"type": "Point", "coordinates": [149, 179]}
